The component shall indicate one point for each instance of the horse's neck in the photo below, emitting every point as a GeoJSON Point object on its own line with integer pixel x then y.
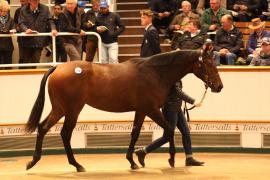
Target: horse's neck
{"type": "Point", "coordinates": [179, 64]}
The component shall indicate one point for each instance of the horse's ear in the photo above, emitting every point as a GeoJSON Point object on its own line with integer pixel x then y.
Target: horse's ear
{"type": "Point", "coordinates": [208, 45]}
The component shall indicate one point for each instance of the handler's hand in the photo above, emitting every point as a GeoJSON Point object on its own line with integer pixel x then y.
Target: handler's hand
{"type": "Point", "coordinates": [197, 104]}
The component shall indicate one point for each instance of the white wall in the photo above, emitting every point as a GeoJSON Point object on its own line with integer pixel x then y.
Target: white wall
{"type": "Point", "coordinates": [245, 97]}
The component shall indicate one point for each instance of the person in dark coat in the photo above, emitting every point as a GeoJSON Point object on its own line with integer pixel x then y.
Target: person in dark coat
{"type": "Point", "coordinates": [228, 42]}
{"type": "Point", "coordinates": [89, 24]}
{"type": "Point", "coordinates": [6, 27]}
{"type": "Point", "coordinates": [70, 21]}
{"type": "Point", "coordinates": [164, 12]}
{"type": "Point", "coordinates": [194, 38]}
{"type": "Point", "coordinates": [61, 55]}
{"type": "Point", "coordinates": [246, 9]}
{"type": "Point", "coordinates": [34, 18]}
{"type": "Point", "coordinates": [174, 115]}
{"type": "Point", "coordinates": [150, 45]}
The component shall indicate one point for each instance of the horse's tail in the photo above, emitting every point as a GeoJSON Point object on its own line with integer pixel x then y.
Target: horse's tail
{"type": "Point", "coordinates": [37, 109]}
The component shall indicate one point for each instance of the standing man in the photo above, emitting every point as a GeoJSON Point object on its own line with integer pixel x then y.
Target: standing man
{"type": "Point", "coordinates": [34, 18]}
{"type": "Point", "coordinates": [16, 22]}
{"type": "Point", "coordinates": [174, 115]}
{"type": "Point", "coordinates": [61, 55]}
{"type": "Point", "coordinates": [70, 21]}
{"type": "Point", "coordinates": [150, 45]}
{"type": "Point", "coordinates": [89, 24]}
{"type": "Point", "coordinates": [109, 26]}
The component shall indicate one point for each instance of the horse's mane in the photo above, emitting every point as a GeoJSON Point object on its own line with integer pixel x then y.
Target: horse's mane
{"type": "Point", "coordinates": [173, 57]}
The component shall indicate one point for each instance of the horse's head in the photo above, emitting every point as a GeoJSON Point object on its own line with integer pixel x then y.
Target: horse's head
{"type": "Point", "coordinates": [205, 68]}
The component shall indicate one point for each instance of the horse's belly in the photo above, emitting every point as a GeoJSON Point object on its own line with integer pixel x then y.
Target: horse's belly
{"type": "Point", "coordinates": [111, 105]}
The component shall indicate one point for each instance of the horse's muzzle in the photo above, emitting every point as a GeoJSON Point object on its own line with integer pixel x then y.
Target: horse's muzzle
{"type": "Point", "coordinates": [217, 89]}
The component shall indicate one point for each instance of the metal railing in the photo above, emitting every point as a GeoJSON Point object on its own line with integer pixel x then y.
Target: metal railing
{"type": "Point", "coordinates": [53, 63]}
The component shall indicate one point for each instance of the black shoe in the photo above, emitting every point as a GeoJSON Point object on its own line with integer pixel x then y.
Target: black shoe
{"type": "Point", "coordinates": [141, 155]}
{"type": "Point", "coordinates": [193, 162]}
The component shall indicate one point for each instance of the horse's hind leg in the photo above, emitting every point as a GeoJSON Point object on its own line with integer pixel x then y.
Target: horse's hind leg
{"type": "Point", "coordinates": [43, 128]}
{"type": "Point", "coordinates": [137, 124]}
{"type": "Point", "coordinates": [66, 133]}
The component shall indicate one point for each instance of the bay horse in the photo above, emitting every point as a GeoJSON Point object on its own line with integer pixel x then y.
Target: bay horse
{"type": "Point", "coordinates": [139, 85]}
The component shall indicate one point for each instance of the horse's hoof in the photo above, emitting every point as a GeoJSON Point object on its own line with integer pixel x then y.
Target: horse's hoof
{"type": "Point", "coordinates": [134, 167]}
{"type": "Point", "coordinates": [29, 165]}
{"type": "Point", "coordinates": [171, 162]}
{"type": "Point", "coordinates": [81, 169]}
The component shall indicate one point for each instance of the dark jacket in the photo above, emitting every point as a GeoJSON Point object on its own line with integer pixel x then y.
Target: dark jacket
{"type": "Point", "coordinates": [254, 6]}
{"type": "Point", "coordinates": [150, 44]}
{"type": "Point", "coordinates": [70, 23]}
{"type": "Point", "coordinates": [252, 40]}
{"type": "Point", "coordinates": [176, 96]}
{"type": "Point", "coordinates": [38, 21]}
{"type": "Point", "coordinates": [6, 42]}
{"type": "Point", "coordinates": [160, 6]}
{"type": "Point", "coordinates": [114, 24]}
{"type": "Point", "coordinates": [92, 17]}
{"type": "Point", "coordinates": [231, 40]}
{"type": "Point", "coordinates": [185, 41]}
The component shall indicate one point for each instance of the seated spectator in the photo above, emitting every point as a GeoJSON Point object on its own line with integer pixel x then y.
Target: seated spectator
{"type": "Point", "coordinates": [193, 3]}
{"type": "Point", "coordinates": [194, 38]}
{"type": "Point", "coordinates": [245, 9]}
{"type": "Point", "coordinates": [228, 42]}
{"type": "Point", "coordinates": [30, 14]}
{"type": "Point", "coordinates": [210, 19]}
{"type": "Point", "coordinates": [263, 58]}
{"type": "Point", "coordinates": [164, 12]}
{"type": "Point", "coordinates": [181, 21]}
{"type": "Point", "coordinates": [265, 4]}
{"type": "Point", "coordinates": [109, 26]}
{"type": "Point", "coordinates": [205, 4]}
{"type": "Point", "coordinates": [89, 24]}
{"type": "Point", "coordinates": [255, 38]}
{"type": "Point", "coordinates": [6, 27]}
{"type": "Point", "coordinates": [70, 21]}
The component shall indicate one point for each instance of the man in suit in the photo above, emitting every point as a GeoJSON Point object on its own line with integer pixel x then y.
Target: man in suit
{"type": "Point", "coordinates": [150, 45]}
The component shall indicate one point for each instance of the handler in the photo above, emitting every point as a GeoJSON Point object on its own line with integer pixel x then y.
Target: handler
{"type": "Point", "coordinates": [174, 115]}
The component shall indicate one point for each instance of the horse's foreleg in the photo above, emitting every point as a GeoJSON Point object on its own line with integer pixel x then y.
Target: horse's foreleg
{"type": "Point", "coordinates": [66, 133]}
{"type": "Point", "coordinates": [137, 124]}
{"type": "Point", "coordinates": [43, 128]}
{"type": "Point", "coordinates": [158, 118]}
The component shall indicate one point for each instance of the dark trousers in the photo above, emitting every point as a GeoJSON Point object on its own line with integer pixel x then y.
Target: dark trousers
{"type": "Point", "coordinates": [6, 57]}
{"type": "Point", "coordinates": [91, 48]}
{"type": "Point", "coordinates": [30, 55]}
{"type": "Point", "coordinates": [61, 55]}
{"type": "Point", "coordinates": [175, 119]}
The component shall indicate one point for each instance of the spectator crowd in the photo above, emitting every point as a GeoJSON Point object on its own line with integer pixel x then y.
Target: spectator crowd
{"type": "Point", "coordinates": [185, 25]}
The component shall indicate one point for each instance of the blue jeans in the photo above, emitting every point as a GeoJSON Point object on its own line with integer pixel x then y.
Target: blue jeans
{"type": "Point", "coordinates": [228, 59]}
{"type": "Point", "coordinates": [175, 119]}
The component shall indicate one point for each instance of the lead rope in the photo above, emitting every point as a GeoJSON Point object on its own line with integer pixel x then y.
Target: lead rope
{"type": "Point", "coordinates": [186, 109]}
